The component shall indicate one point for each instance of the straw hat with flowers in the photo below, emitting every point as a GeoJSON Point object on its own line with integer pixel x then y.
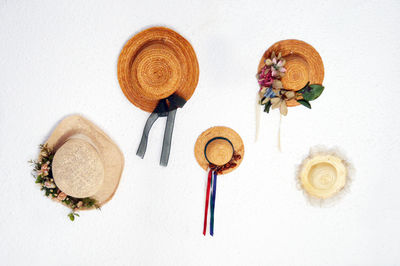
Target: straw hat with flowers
{"type": "Point", "coordinates": [79, 165]}
{"type": "Point", "coordinates": [290, 73]}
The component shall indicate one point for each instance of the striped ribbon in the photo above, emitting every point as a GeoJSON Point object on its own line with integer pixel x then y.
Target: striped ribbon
{"type": "Point", "coordinates": [207, 199]}
{"type": "Point", "coordinates": [210, 199]}
{"type": "Point", "coordinates": [212, 203]}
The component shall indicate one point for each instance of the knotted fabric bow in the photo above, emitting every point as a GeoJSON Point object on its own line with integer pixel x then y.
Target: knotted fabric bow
{"type": "Point", "coordinates": [165, 107]}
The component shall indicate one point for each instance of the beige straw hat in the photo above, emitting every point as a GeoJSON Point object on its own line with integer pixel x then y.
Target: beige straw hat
{"type": "Point", "coordinates": [154, 64]}
{"type": "Point", "coordinates": [87, 163]}
{"type": "Point", "coordinates": [323, 174]}
{"type": "Point", "coordinates": [303, 65]}
{"type": "Point", "coordinates": [216, 145]}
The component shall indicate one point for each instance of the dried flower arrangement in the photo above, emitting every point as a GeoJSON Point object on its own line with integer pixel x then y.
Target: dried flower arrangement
{"type": "Point", "coordinates": [42, 172]}
{"type": "Point", "coordinates": [273, 94]}
{"type": "Point", "coordinates": [219, 169]}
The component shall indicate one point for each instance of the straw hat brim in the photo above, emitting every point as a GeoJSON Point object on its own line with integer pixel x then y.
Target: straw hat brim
{"type": "Point", "coordinates": [218, 131]}
{"type": "Point", "coordinates": [154, 64]}
{"type": "Point", "coordinates": [323, 175]}
{"type": "Point", "coordinates": [111, 155]}
{"type": "Point", "coordinates": [303, 64]}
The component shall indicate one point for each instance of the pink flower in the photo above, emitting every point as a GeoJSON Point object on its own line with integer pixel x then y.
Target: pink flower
{"type": "Point", "coordinates": [276, 64]}
{"type": "Point", "coordinates": [277, 68]}
{"type": "Point", "coordinates": [49, 184]}
{"type": "Point", "coordinates": [61, 196]}
{"type": "Point", "coordinates": [44, 170]}
{"type": "Point", "coordinates": [265, 77]}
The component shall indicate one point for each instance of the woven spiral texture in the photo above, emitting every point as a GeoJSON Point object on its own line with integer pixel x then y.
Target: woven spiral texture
{"type": "Point", "coordinates": [154, 64]}
{"type": "Point", "coordinates": [78, 169]}
{"type": "Point", "coordinates": [82, 152]}
{"type": "Point", "coordinates": [323, 175]}
{"type": "Point", "coordinates": [303, 64]}
{"type": "Point", "coordinates": [219, 152]}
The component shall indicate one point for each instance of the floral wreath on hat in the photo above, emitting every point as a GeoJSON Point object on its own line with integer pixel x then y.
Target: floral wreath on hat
{"type": "Point", "coordinates": [274, 95]}
{"type": "Point", "coordinates": [42, 172]}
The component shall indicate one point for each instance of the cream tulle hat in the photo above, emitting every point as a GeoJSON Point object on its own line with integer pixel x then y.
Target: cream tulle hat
{"type": "Point", "coordinates": [324, 174]}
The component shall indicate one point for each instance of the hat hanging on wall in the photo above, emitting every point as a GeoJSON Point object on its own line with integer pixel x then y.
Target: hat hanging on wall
{"type": "Point", "coordinates": [219, 150]}
{"type": "Point", "coordinates": [158, 72]}
{"type": "Point", "coordinates": [79, 165]}
{"type": "Point", "coordinates": [290, 73]}
{"type": "Point", "coordinates": [324, 175]}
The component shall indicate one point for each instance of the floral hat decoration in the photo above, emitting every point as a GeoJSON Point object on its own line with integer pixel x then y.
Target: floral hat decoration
{"type": "Point", "coordinates": [158, 72]}
{"type": "Point", "coordinates": [79, 165]}
{"type": "Point", "coordinates": [290, 73]}
{"type": "Point", "coordinates": [219, 150]}
{"type": "Point", "coordinates": [324, 175]}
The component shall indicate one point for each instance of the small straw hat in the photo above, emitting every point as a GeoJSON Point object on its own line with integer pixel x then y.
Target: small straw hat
{"type": "Point", "coordinates": [154, 64]}
{"type": "Point", "coordinates": [87, 163]}
{"type": "Point", "coordinates": [303, 64]}
{"type": "Point", "coordinates": [219, 150]}
{"type": "Point", "coordinates": [216, 146]}
{"type": "Point", "coordinates": [324, 173]}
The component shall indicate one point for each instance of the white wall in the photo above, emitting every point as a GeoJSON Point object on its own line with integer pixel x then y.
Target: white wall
{"type": "Point", "coordinates": [60, 57]}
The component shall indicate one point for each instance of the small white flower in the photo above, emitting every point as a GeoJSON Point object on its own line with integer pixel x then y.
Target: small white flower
{"type": "Point", "coordinates": [49, 184]}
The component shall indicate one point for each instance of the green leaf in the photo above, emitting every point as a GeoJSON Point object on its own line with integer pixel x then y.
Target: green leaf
{"type": "Point", "coordinates": [305, 103]}
{"type": "Point", "coordinates": [88, 202]}
{"type": "Point", "coordinates": [76, 214]}
{"type": "Point", "coordinates": [71, 216]}
{"type": "Point", "coordinates": [39, 179]}
{"type": "Point", "coordinates": [267, 106]}
{"type": "Point", "coordinates": [312, 92]}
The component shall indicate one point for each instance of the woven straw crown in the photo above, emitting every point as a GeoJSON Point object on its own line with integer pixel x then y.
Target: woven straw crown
{"type": "Point", "coordinates": [323, 175]}
{"type": "Point", "coordinates": [77, 167]}
{"type": "Point", "coordinates": [87, 163]}
{"type": "Point", "coordinates": [303, 64]}
{"type": "Point", "coordinates": [219, 152]}
{"type": "Point", "coordinates": [154, 64]}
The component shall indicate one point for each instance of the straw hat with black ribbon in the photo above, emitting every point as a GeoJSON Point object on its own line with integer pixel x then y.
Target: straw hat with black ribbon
{"type": "Point", "coordinates": [158, 72]}
{"type": "Point", "coordinates": [219, 150]}
{"type": "Point", "coordinates": [324, 175]}
{"type": "Point", "coordinates": [290, 73]}
{"type": "Point", "coordinates": [79, 165]}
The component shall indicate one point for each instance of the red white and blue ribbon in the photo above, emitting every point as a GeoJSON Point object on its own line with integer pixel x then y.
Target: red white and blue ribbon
{"type": "Point", "coordinates": [210, 200]}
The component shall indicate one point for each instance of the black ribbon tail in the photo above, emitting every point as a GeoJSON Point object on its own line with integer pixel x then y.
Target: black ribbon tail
{"type": "Point", "coordinates": [165, 107]}
{"type": "Point", "coordinates": [143, 142]}
{"type": "Point", "coordinates": [169, 128]}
